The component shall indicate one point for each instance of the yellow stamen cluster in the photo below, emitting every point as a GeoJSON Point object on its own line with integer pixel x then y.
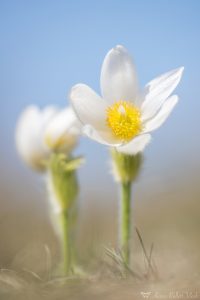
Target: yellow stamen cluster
{"type": "Point", "coordinates": [125, 120]}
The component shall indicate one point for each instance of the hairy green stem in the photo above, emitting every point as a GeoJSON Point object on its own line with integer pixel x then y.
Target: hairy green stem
{"type": "Point", "coordinates": [126, 169]}
{"type": "Point", "coordinates": [64, 187]}
{"type": "Point", "coordinates": [125, 221]}
{"type": "Point", "coordinates": [66, 242]}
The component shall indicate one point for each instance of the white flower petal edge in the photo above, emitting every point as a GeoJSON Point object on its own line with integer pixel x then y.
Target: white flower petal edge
{"type": "Point", "coordinates": [29, 135]}
{"type": "Point", "coordinates": [136, 145]}
{"type": "Point", "coordinates": [102, 137]}
{"type": "Point", "coordinates": [63, 130]}
{"type": "Point", "coordinates": [89, 107]}
{"type": "Point", "coordinates": [162, 115]}
{"type": "Point", "coordinates": [158, 90]}
{"type": "Point", "coordinates": [118, 76]}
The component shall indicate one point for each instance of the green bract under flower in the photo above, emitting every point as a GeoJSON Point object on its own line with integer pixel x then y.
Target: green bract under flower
{"type": "Point", "coordinates": [63, 178]}
{"type": "Point", "coordinates": [126, 168]}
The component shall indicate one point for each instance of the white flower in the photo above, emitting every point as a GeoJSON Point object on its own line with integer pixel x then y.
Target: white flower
{"type": "Point", "coordinates": [123, 117]}
{"type": "Point", "coordinates": [62, 132]}
{"type": "Point", "coordinates": [41, 131]}
{"type": "Point", "coordinates": [30, 135]}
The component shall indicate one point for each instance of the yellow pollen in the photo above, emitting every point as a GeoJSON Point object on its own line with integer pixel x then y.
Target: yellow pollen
{"type": "Point", "coordinates": [124, 119]}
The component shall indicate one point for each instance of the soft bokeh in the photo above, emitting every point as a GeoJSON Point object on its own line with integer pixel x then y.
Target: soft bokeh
{"type": "Point", "coordinates": [45, 48]}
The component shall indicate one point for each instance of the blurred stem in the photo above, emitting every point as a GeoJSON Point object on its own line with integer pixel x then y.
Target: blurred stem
{"type": "Point", "coordinates": [64, 188]}
{"type": "Point", "coordinates": [66, 251]}
{"type": "Point", "coordinates": [125, 221]}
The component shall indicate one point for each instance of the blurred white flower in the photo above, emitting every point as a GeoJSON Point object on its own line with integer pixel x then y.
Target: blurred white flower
{"type": "Point", "coordinates": [62, 132]}
{"type": "Point", "coordinates": [30, 135]}
{"type": "Point", "coordinates": [123, 117]}
{"type": "Point", "coordinates": [39, 132]}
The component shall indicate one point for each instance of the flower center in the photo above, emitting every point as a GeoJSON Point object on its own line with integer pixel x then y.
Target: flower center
{"type": "Point", "coordinates": [124, 119]}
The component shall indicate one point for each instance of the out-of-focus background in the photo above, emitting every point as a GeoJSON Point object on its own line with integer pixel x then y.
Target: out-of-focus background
{"type": "Point", "coordinates": [45, 48]}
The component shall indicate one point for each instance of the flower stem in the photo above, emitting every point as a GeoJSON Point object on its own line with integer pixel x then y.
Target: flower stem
{"type": "Point", "coordinates": [125, 221]}
{"type": "Point", "coordinates": [63, 187]}
{"type": "Point", "coordinates": [66, 251]}
{"type": "Point", "coordinates": [126, 169]}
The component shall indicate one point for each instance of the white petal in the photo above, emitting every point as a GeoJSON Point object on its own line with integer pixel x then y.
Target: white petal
{"type": "Point", "coordinates": [136, 145]}
{"type": "Point", "coordinates": [88, 106]}
{"type": "Point", "coordinates": [47, 113]}
{"type": "Point", "coordinates": [162, 115]}
{"type": "Point", "coordinates": [102, 137]}
{"type": "Point", "coordinates": [158, 90]}
{"type": "Point", "coordinates": [29, 135]}
{"type": "Point", "coordinates": [63, 130]}
{"type": "Point", "coordinates": [118, 76]}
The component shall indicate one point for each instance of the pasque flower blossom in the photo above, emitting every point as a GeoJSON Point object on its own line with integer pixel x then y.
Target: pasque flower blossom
{"type": "Point", "coordinates": [40, 132]}
{"type": "Point", "coordinates": [124, 116]}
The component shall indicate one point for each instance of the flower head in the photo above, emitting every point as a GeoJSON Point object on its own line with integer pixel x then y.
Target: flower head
{"type": "Point", "coordinates": [40, 132]}
{"type": "Point", "coordinates": [124, 117]}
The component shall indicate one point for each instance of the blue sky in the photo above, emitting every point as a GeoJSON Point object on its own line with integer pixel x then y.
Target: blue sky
{"type": "Point", "coordinates": [47, 46]}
